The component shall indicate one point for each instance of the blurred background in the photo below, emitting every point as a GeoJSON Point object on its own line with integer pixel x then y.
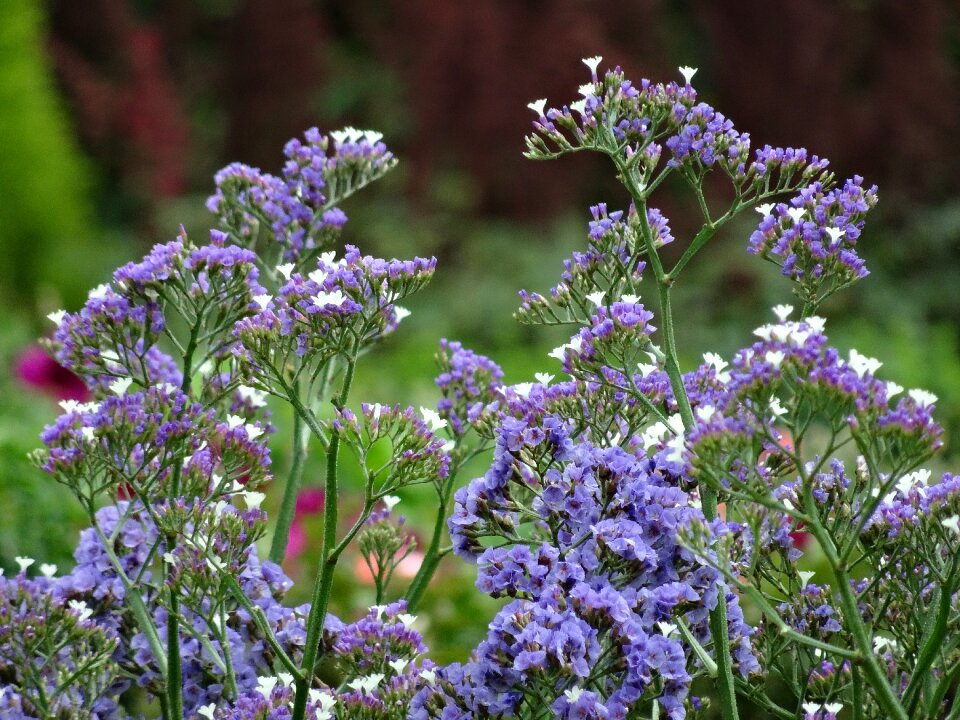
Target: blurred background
{"type": "Point", "coordinates": [114, 115]}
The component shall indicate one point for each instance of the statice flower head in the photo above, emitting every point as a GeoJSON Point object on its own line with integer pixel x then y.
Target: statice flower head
{"type": "Point", "coordinates": [299, 207]}
{"type": "Point", "coordinates": [341, 304]}
{"type": "Point", "coordinates": [813, 238]}
{"type": "Point", "coordinates": [706, 137]}
{"type": "Point", "coordinates": [469, 384]}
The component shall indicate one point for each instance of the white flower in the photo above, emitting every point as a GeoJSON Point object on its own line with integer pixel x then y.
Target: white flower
{"type": "Point", "coordinates": [120, 386]}
{"type": "Point", "coordinates": [646, 369]}
{"type": "Point", "coordinates": [816, 323]}
{"type": "Point", "coordinates": [834, 233]}
{"type": "Point", "coordinates": [782, 311]}
{"type": "Point", "coordinates": [253, 431]}
{"type": "Point", "coordinates": [573, 694]}
{"type": "Point", "coordinates": [57, 317]}
{"type": "Point", "coordinates": [666, 629]}
{"type": "Point", "coordinates": [390, 501]}
{"type": "Point", "coordinates": [538, 106]}
{"type": "Point", "coordinates": [523, 389]}
{"type": "Point", "coordinates": [587, 90]}
{"type": "Point", "coordinates": [776, 407]}
{"type": "Point", "coordinates": [234, 421]}
{"type": "Point", "coordinates": [378, 609]}
{"type": "Point", "coordinates": [48, 570]}
{"type": "Point", "coordinates": [335, 298]}
{"type": "Point", "coordinates": [893, 389]}
{"type": "Point", "coordinates": [764, 209]}
{"type": "Point", "coordinates": [632, 299]}
{"type": "Point", "coordinates": [407, 619]}
{"type": "Point", "coordinates": [262, 300]}
{"type": "Point", "coordinates": [833, 708]}
{"type": "Point", "coordinates": [580, 106]}
{"type": "Point", "coordinates": [543, 378]}
{"type": "Point", "coordinates": [398, 665]}
{"type": "Point", "coordinates": [285, 270]}
{"type": "Point", "coordinates": [596, 298]}
{"type": "Point", "coordinates": [24, 562]}
{"type": "Point", "coordinates": [89, 434]}
{"type": "Point", "coordinates": [81, 609]}
{"type": "Point", "coordinates": [324, 699]}
{"type": "Point", "coordinates": [705, 412]}
{"type": "Point", "coordinates": [285, 678]}
{"type": "Point", "coordinates": [429, 675]}
{"type": "Point", "coordinates": [922, 397]}
{"type": "Point", "coordinates": [774, 357]}
{"type": "Point", "coordinates": [266, 685]}
{"type": "Point", "coordinates": [207, 710]}
{"type": "Point", "coordinates": [448, 446]}
{"type": "Point", "coordinates": [811, 708]}
{"type": "Point", "coordinates": [319, 276]}
{"type": "Point", "coordinates": [558, 353]}
{"type": "Point", "coordinates": [256, 398]}
{"type": "Point", "coordinates": [110, 355]}
{"type": "Point", "coordinates": [593, 63]}
{"type": "Point", "coordinates": [69, 405]}
{"type": "Point", "coordinates": [99, 292]}
{"type": "Point", "coordinates": [253, 499]}
{"type": "Point", "coordinates": [687, 72]}
{"type": "Point", "coordinates": [401, 313]}
{"type": "Point", "coordinates": [367, 684]}
{"type": "Point", "coordinates": [796, 214]}
{"type": "Point", "coordinates": [805, 576]}
{"type": "Point", "coordinates": [433, 419]}
{"type": "Point", "coordinates": [952, 523]}
{"type": "Point", "coordinates": [372, 136]}
{"type": "Point", "coordinates": [861, 364]}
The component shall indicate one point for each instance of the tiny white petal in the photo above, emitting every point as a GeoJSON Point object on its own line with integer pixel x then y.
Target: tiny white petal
{"type": "Point", "coordinates": [120, 386]}
{"type": "Point", "coordinates": [48, 570]}
{"type": "Point", "coordinates": [253, 431]}
{"type": "Point", "coordinates": [234, 421]}
{"type": "Point", "coordinates": [99, 292]}
{"type": "Point", "coordinates": [765, 209]}
{"type": "Point", "coordinates": [782, 311]}
{"type": "Point", "coordinates": [687, 72]}
{"type": "Point", "coordinates": [207, 710]}
{"type": "Point", "coordinates": [262, 300]}
{"type": "Point", "coordinates": [401, 313]}
{"type": "Point", "coordinates": [805, 576]}
{"type": "Point", "coordinates": [523, 389]}
{"type": "Point", "coordinates": [580, 106]}
{"type": "Point", "coordinates": [57, 317]}
{"type": "Point", "coordinates": [593, 63]}
{"type": "Point", "coordinates": [253, 499]}
{"type": "Point", "coordinates": [24, 562]}
{"type": "Point", "coordinates": [952, 523]}
{"type": "Point", "coordinates": [433, 419]}
{"type": "Point", "coordinates": [922, 397]}
{"type": "Point", "coordinates": [834, 233]}
{"type": "Point", "coordinates": [543, 378]}
{"type": "Point", "coordinates": [796, 214]}
{"type": "Point", "coordinates": [893, 389]}
{"type": "Point", "coordinates": [666, 629]}
{"type": "Point", "coordinates": [390, 501]}
{"type": "Point", "coordinates": [596, 298]}
{"type": "Point", "coordinates": [407, 619]}
{"type": "Point", "coordinates": [285, 270]}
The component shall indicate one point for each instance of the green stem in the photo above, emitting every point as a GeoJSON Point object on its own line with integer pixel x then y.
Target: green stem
{"type": "Point", "coordinates": [431, 558]}
{"type": "Point", "coordinates": [288, 506]}
{"type": "Point", "coordinates": [874, 673]}
{"type": "Point", "coordinates": [328, 561]}
{"type": "Point", "coordinates": [719, 629]}
{"type": "Point", "coordinates": [174, 669]}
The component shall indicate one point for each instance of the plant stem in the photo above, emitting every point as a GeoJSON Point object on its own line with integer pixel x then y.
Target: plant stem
{"type": "Point", "coordinates": [174, 670]}
{"type": "Point", "coordinates": [431, 558]}
{"type": "Point", "coordinates": [874, 673]}
{"type": "Point", "coordinates": [328, 560]}
{"type": "Point", "coordinates": [288, 506]}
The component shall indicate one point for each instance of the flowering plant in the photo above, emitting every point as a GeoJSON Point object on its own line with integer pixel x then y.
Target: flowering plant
{"type": "Point", "coordinates": [641, 521]}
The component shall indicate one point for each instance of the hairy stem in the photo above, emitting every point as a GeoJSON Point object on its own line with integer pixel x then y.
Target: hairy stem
{"type": "Point", "coordinates": [288, 506]}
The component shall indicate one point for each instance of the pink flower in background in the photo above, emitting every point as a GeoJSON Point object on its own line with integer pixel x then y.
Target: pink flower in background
{"type": "Point", "coordinates": [39, 371]}
{"type": "Point", "coordinates": [309, 503]}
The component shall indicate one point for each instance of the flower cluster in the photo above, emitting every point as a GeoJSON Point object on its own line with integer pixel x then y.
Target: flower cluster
{"type": "Point", "coordinates": [299, 208]}
{"type": "Point", "coordinates": [469, 384]}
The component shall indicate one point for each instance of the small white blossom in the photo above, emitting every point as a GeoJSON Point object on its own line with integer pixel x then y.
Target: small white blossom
{"type": "Point", "coordinates": [774, 357]}
{"type": "Point", "coordinates": [666, 629]}
{"type": "Point", "coordinates": [646, 369]}
{"type": "Point", "coordinates": [558, 353]}
{"type": "Point", "coordinates": [367, 684]}
{"type": "Point", "coordinates": [543, 378]}
{"type": "Point", "coordinates": [816, 323]}
{"type": "Point", "coordinates": [835, 233]}
{"type": "Point", "coordinates": [99, 292]}
{"type": "Point", "coordinates": [593, 63]}
{"type": "Point", "coordinates": [952, 523]}
{"type": "Point", "coordinates": [811, 708]}
{"type": "Point", "coordinates": [266, 685]}
{"type": "Point", "coordinates": [390, 501]}
{"type": "Point", "coordinates": [765, 209]}
{"type": "Point", "coordinates": [256, 398]}
{"type": "Point", "coordinates": [596, 298]}
{"type": "Point", "coordinates": [573, 694]}
{"type": "Point", "coordinates": [587, 90]}
{"type": "Point", "coordinates": [57, 317]}
{"type": "Point", "coordinates": [69, 405]}
{"type": "Point", "coordinates": [48, 570]}
{"type": "Point", "coordinates": [262, 300]}
{"type": "Point", "coordinates": [893, 389]}
{"type": "Point", "coordinates": [861, 364]}
{"type": "Point", "coordinates": [805, 576]}
{"type": "Point", "coordinates": [796, 214]}
{"type": "Point", "coordinates": [207, 710]}
{"type": "Point", "coordinates": [234, 421]}
{"type": "Point", "coordinates": [433, 419]}
{"type": "Point", "coordinates": [81, 609]}
{"type": "Point", "coordinates": [285, 678]}
{"type": "Point", "coordinates": [24, 562]}
{"type": "Point", "coordinates": [398, 665]}
{"type": "Point", "coordinates": [89, 434]}
{"type": "Point", "coordinates": [407, 619]}
{"type": "Point", "coordinates": [285, 270]}
{"type": "Point", "coordinates": [335, 298]}
{"type": "Point", "coordinates": [776, 407]}
{"type": "Point", "coordinates": [687, 72]}
{"type": "Point", "coordinates": [401, 313]}
{"type": "Point", "coordinates": [705, 412]}
{"type": "Point", "coordinates": [429, 675]}
{"type": "Point", "coordinates": [253, 499]}
{"type": "Point", "coordinates": [538, 106]}
{"type": "Point", "coordinates": [120, 386]}
{"type": "Point", "coordinates": [253, 431]}
{"type": "Point", "coordinates": [580, 106]}
{"type": "Point", "coordinates": [523, 389]}
{"type": "Point", "coordinates": [833, 708]}
{"type": "Point", "coordinates": [922, 397]}
{"type": "Point", "coordinates": [782, 311]}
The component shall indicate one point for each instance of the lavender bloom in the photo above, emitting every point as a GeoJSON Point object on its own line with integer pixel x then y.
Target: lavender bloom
{"type": "Point", "coordinates": [813, 238]}
{"type": "Point", "coordinates": [468, 384]}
